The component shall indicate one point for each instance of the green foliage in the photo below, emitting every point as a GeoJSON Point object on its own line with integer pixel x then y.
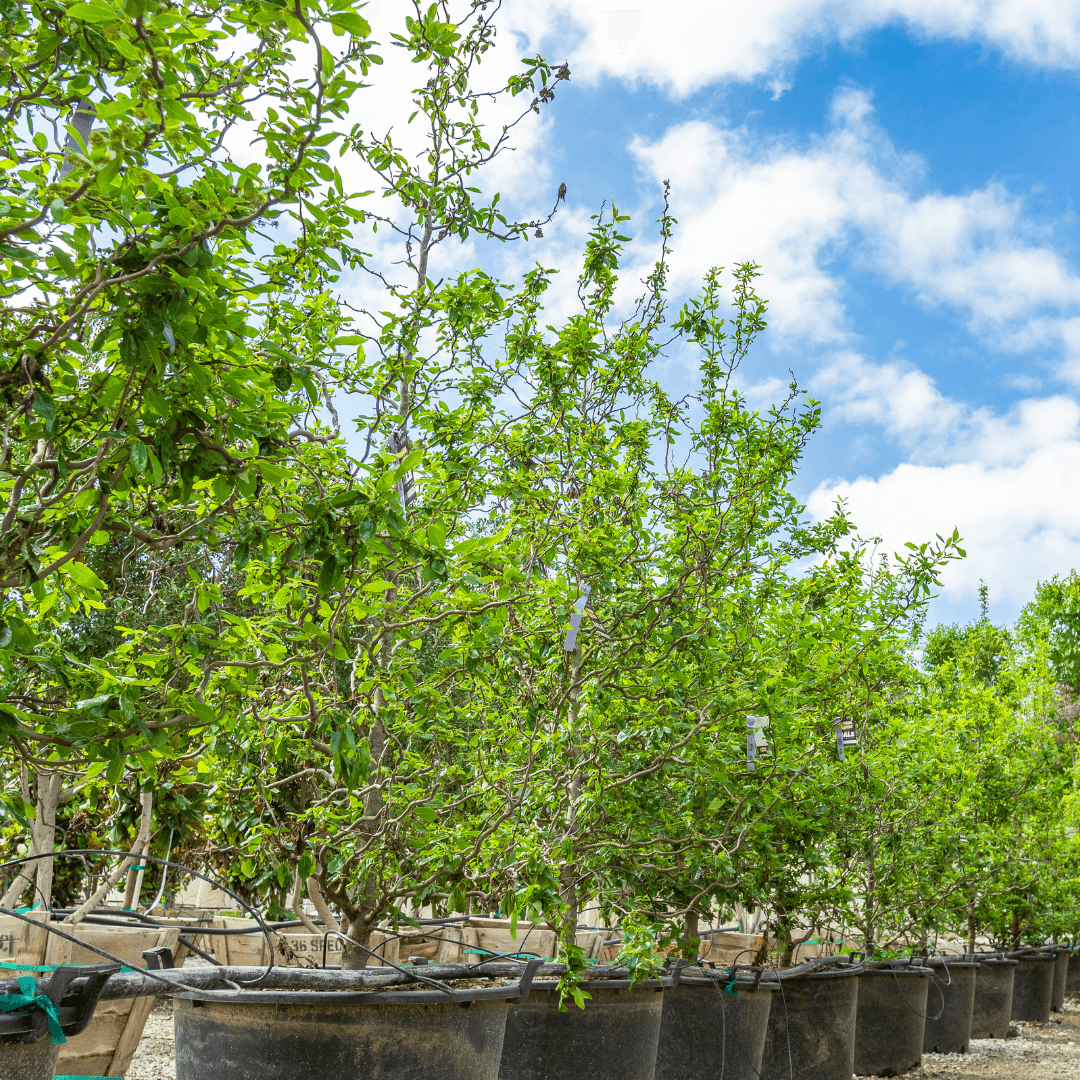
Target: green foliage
{"type": "Point", "coordinates": [340, 665]}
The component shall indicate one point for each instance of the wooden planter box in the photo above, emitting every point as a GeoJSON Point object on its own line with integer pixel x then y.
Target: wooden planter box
{"type": "Point", "coordinates": [294, 947]}
{"type": "Point", "coordinates": [471, 942]}
{"type": "Point", "coordinates": [108, 1044]}
{"type": "Point", "coordinates": [731, 948]}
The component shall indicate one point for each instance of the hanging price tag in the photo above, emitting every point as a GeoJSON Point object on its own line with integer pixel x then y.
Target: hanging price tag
{"type": "Point", "coordinates": [755, 739]}
{"type": "Point", "coordinates": [845, 736]}
{"type": "Point", "coordinates": [575, 620]}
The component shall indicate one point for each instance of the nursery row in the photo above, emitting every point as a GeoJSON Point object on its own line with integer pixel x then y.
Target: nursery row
{"type": "Point", "coordinates": [525, 636]}
{"type": "Point", "coordinates": [819, 1021]}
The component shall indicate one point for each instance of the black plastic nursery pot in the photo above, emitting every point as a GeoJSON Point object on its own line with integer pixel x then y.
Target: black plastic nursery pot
{"type": "Point", "coordinates": [1033, 987]}
{"type": "Point", "coordinates": [613, 1038]}
{"type": "Point", "coordinates": [992, 1008]}
{"type": "Point", "coordinates": [890, 1021]}
{"type": "Point", "coordinates": [27, 1049]}
{"type": "Point", "coordinates": [1072, 976]}
{"type": "Point", "coordinates": [950, 1005]}
{"type": "Point", "coordinates": [712, 1027]}
{"type": "Point", "coordinates": [1061, 976]}
{"type": "Point", "coordinates": [811, 1032]}
{"type": "Point", "coordinates": [342, 1035]}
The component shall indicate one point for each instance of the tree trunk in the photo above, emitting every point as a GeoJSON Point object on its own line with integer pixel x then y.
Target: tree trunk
{"type": "Point", "coordinates": [691, 942]}
{"type": "Point", "coordinates": [568, 871]}
{"type": "Point", "coordinates": [26, 870]}
{"type": "Point", "coordinates": [784, 926]}
{"type": "Point", "coordinates": [48, 798]}
{"type": "Point", "coordinates": [102, 890]}
{"type": "Point", "coordinates": [972, 927]}
{"type": "Point", "coordinates": [360, 929]}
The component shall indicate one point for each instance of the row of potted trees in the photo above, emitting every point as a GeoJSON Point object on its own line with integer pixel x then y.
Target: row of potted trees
{"type": "Point", "coordinates": [525, 635]}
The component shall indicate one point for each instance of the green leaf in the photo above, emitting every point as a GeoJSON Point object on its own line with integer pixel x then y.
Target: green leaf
{"type": "Point", "coordinates": [306, 866]}
{"type": "Point", "coordinates": [129, 348]}
{"type": "Point", "coordinates": [83, 576]}
{"type": "Point", "coordinates": [326, 575]}
{"type": "Point", "coordinates": [138, 453]}
{"type": "Point", "coordinates": [97, 13]}
{"type": "Point", "coordinates": [94, 702]}
{"type": "Point", "coordinates": [43, 406]}
{"type": "Point", "coordinates": [377, 586]}
{"type": "Point", "coordinates": [351, 23]}
{"type": "Point", "coordinates": [115, 772]}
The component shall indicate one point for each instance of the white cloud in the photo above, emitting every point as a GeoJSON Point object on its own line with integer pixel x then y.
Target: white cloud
{"type": "Point", "coordinates": [799, 208]}
{"type": "Point", "coordinates": [683, 45]}
{"type": "Point", "coordinates": [1020, 522]}
{"type": "Point", "coordinates": [1004, 481]}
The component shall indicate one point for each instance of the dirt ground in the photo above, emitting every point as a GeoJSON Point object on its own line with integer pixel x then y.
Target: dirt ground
{"type": "Point", "coordinates": [1037, 1052]}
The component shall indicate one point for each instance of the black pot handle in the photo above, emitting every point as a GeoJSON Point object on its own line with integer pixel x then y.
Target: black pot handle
{"type": "Point", "coordinates": [525, 983]}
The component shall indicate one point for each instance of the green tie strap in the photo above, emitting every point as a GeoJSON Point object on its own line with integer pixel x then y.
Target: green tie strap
{"type": "Point", "coordinates": [8, 965]}
{"type": "Point", "coordinates": [29, 998]}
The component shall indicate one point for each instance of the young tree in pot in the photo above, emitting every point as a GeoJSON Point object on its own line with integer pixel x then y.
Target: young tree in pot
{"type": "Point", "coordinates": [373, 595]}
{"type": "Point", "coordinates": [146, 405]}
{"type": "Point", "coordinates": [988, 699]}
{"type": "Point", "coordinates": [728, 624]}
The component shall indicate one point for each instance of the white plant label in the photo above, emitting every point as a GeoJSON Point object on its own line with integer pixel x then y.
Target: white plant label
{"type": "Point", "coordinates": [575, 620]}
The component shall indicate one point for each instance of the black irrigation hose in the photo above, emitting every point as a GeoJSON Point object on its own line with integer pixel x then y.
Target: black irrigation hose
{"type": "Point", "coordinates": [101, 952]}
{"type": "Point", "coordinates": [926, 1016]}
{"type": "Point", "coordinates": [73, 852]}
{"type": "Point", "coordinates": [192, 947]}
{"type": "Point", "coordinates": [111, 912]}
{"type": "Point", "coordinates": [410, 974]}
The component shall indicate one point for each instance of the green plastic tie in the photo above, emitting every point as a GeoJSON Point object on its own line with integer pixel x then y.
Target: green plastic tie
{"type": "Point", "coordinates": [729, 988]}
{"type": "Point", "coordinates": [9, 964]}
{"type": "Point", "coordinates": [488, 952]}
{"type": "Point", "coordinates": [30, 998]}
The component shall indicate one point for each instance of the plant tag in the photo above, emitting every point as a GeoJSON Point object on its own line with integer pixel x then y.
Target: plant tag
{"type": "Point", "coordinates": [575, 620]}
{"type": "Point", "coordinates": [755, 739]}
{"type": "Point", "coordinates": [845, 736]}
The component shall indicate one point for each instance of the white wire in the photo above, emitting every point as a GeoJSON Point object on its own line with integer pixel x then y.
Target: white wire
{"type": "Point", "coordinates": [164, 872]}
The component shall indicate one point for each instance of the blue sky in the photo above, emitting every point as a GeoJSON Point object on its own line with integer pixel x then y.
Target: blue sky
{"type": "Point", "coordinates": [903, 171]}
{"type": "Point", "coordinates": [905, 174]}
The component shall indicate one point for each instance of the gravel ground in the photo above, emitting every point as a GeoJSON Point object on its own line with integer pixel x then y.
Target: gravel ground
{"type": "Point", "coordinates": [1033, 1052]}
{"type": "Point", "coordinates": [154, 1058]}
{"type": "Point", "coordinates": [1037, 1052]}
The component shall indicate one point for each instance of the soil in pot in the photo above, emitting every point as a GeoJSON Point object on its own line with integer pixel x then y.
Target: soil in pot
{"type": "Point", "coordinates": [992, 1008]}
{"type": "Point", "coordinates": [706, 1032]}
{"type": "Point", "coordinates": [283, 1035]}
{"type": "Point", "coordinates": [891, 1019]}
{"type": "Point", "coordinates": [950, 1005]}
{"type": "Point", "coordinates": [613, 1038]}
{"type": "Point", "coordinates": [1033, 986]}
{"type": "Point", "coordinates": [811, 1032]}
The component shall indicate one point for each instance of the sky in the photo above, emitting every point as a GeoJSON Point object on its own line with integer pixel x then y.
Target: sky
{"type": "Point", "coordinates": [903, 171]}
